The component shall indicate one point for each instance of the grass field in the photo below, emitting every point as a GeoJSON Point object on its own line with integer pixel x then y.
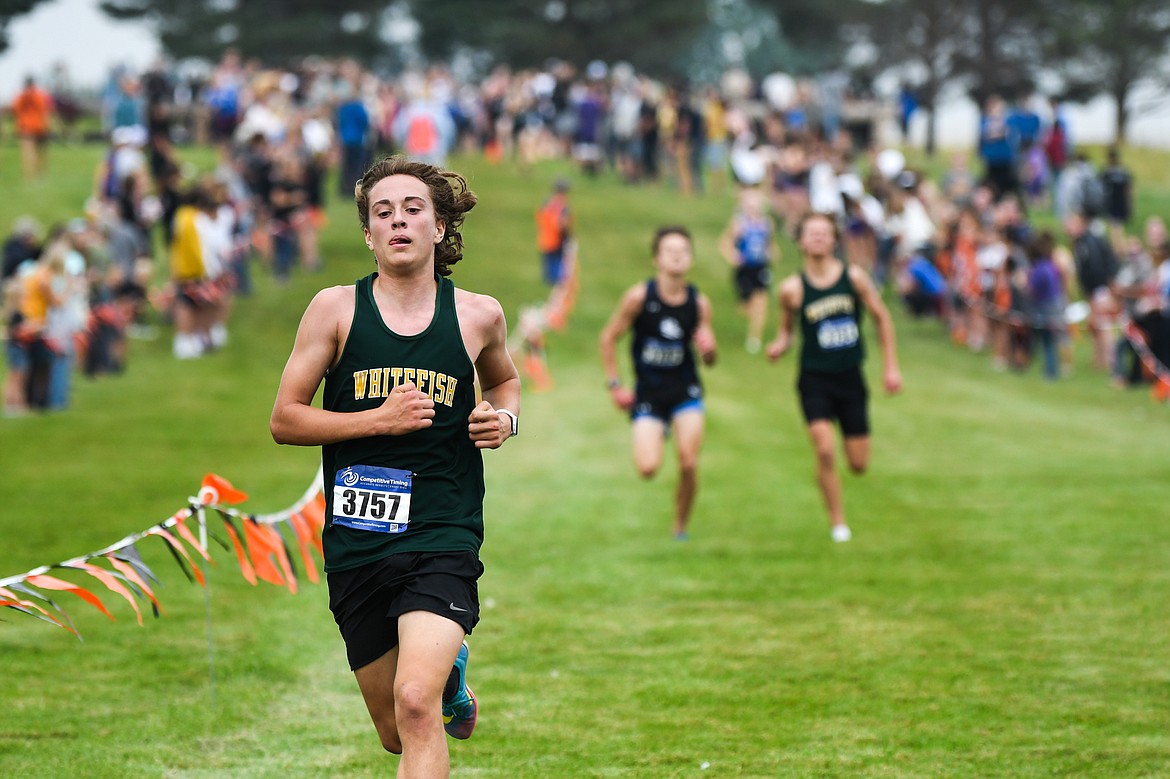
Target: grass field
{"type": "Point", "coordinates": [1001, 611]}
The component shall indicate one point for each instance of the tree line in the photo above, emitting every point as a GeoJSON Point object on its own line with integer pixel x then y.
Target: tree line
{"type": "Point", "coordinates": [1078, 49]}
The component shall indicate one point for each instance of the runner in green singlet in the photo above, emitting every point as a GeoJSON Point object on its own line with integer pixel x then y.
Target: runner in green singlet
{"type": "Point", "coordinates": [402, 432]}
{"type": "Point", "coordinates": [827, 297]}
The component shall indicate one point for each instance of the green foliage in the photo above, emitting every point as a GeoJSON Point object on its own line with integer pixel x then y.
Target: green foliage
{"type": "Point", "coordinates": [816, 32]}
{"type": "Point", "coordinates": [999, 614]}
{"type": "Point", "coordinates": [275, 31]}
{"type": "Point", "coordinates": [1106, 47]}
{"type": "Point", "coordinates": [9, 10]}
{"type": "Point", "coordinates": [653, 36]}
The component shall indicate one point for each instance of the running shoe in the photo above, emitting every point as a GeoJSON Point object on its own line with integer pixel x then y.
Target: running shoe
{"type": "Point", "coordinates": [841, 533]}
{"type": "Point", "coordinates": [460, 713]}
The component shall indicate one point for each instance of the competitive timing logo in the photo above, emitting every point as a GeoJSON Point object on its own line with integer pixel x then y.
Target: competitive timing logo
{"type": "Point", "coordinates": [349, 477]}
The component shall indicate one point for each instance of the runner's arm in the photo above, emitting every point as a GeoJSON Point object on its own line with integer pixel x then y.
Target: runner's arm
{"type": "Point", "coordinates": [891, 375]}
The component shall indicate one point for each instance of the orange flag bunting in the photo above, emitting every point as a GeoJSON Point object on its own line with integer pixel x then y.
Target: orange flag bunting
{"type": "Point", "coordinates": [261, 552]}
{"type": "Point", "coordinates": [128, 571]}
{"type": "Point", "coordinates": [181, 528]}
{"type": "Point", "coordinates": [179, 549]}
{"type": "Point", "coordinates": [246, 568]}
{"type": "Point", "coordinates": [281, 552]}
{"type": "Point", "coordinates": [46, 582]}
{"type": "Point", "coordinates": [217, 490]}
{"type": "Point", "coordinates": [11, 600]}
{"type": "Point", "coordinates": [314, 512]}
{"type": "Point", "coordinates": [304, 535]}
{"type": "Point", "coordinates": [111, 582]}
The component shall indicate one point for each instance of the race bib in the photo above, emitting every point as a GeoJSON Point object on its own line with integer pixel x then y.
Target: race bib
{"type": "Point", "coordinates": [370, 498]}
{"type": "Point", "coordinates": [839, 333]}
{"type": "Point", "coordinates": [663, 354]}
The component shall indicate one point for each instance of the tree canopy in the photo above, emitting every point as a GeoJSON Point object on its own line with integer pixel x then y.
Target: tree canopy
{"type": "Point", "coordinates": [1088, 47]}
{"type": "Point", "coordinates": [9, 10]}
{"type": "Point", "coordinates": [652, 35]}
{"type": "Point", "coordinates": [274, 31]}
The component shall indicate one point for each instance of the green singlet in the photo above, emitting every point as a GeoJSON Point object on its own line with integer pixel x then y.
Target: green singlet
{"type": "Point", "coordinates": [441, 464]}
{"type": "Point", "coordinates": [830, 324]}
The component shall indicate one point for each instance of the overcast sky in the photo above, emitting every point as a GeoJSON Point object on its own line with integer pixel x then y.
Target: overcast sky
{"type": "Point", "coordinates": [77, 33]}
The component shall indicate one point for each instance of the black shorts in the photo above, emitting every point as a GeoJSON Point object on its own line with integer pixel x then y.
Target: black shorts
{"type": "Point", "coordinates": [750, 279]}
{"type": "Point", "coordinates": [840, 397]}
{"type": "Point", "coordinates": [664, 402]}
{"type": "Point", "coordinates": [368, 600]}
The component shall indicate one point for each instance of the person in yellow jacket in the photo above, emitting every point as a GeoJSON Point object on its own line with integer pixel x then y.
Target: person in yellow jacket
{"type": "Point", "coordinates": [195, 273]}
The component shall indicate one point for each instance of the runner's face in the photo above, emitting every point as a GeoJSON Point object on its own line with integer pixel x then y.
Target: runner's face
{"type": "Point", "coordinates": [404, 229]}
{"type": "Point", "coordinates": [817, 238]}
{"type": "Point", "coordinates": [674, 254]}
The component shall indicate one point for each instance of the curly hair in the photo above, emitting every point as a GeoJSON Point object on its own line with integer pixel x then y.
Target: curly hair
{"type": "Point", "coordinates": [449, 195]}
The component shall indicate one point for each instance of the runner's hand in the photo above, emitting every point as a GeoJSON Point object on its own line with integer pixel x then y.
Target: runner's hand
{"type": "Point", "coordinates": [406, 409]}
{"type": "Point", "coordinates": [486, 427]}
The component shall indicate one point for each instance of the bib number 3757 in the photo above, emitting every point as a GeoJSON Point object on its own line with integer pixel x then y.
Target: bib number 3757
{"type": "Point", "coordinates": [370, 498]}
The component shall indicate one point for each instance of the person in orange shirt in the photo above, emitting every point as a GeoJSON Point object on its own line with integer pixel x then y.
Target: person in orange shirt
{"type": "Point", "coordinates": [554, 232]}
{"type": "Point", "coordinates": [32, 111]}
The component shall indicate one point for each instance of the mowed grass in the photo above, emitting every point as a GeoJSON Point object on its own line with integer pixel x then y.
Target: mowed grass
{"type": "Point", "coordinates": [1001, 611]}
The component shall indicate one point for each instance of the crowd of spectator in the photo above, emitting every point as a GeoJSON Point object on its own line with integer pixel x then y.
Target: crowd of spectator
{"type": "Point", "coordinates": [962, 248]}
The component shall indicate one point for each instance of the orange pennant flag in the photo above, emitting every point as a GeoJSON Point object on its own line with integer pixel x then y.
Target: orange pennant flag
{"type": "Point", "coordinates": [246, 569]}
{"type": "Point", "coordinates": [314, 512]}
{"type": "Point", "coordinates": [46, 582]}
{"type": "Point", "coordinates": [260, 552]}
{"type": "Point", "coordinates": [217, 490]}
{"type": "Point", "coordinates": [111, 582]}
{"type": "Point", "coordinates": [128, 571]}
{"type": "Point", "coordinates": [281, 553]}
{"type": "Point", "coordinates": [304, 535]}
{"type": "Point", "coordinates": [181, 527]}
{"type": "Point", "coordinates": [179, 548]}
{"type": "Point", "coordinates": [12, 600]}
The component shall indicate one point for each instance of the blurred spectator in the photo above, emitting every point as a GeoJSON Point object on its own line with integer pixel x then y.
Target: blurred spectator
{"type": "Point", "coordinates": [32, 113]}
{"type": "Point", "coordinates": [287, 206]}
{"type": "Point", "coordinates": [129, 105]}
{"type": "Point", "coordinates": [554, 231]}
{"type": "Point", "coordinates": [1096, 266]}
{"type": "Point", "coordinates": [1047, 301]}
{"type": "Point", "coordinates": [1117, 185]}
{"type": "Point", "coordinates": [198, 298]}
{"type": "Point", "coordinates": [17, 359]}
{"type": "Point", "coordinates": [958, 182]}
{"type": "Point", "coordinates": [907, 105]}
{"type": "Point", "coordinates": [424, 130]}
{"type": "Point", "coordinates": [1132, 287]}
{"type": "Point", "coordinates": [353, 132]}
{"type": "Point", "coordinates": [998, 148]}
{"type": "Point", "coordinates": [922, 287]}
{"type": "Point", "coordinates": [22, 246]}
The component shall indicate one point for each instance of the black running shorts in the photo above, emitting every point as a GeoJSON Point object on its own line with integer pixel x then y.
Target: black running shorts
{"type": "Point", "coordinates": [840, 397]}
{"type": "Point", "coordinates": [366, 601]}
{"type": "Point", "coordinates": [749, 279]}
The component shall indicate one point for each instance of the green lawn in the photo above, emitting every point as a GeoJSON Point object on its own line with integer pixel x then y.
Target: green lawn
{"type": "Point", "coordinates": [1001, 611]}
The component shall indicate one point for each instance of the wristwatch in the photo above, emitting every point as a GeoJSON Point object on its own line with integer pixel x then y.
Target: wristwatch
{"type": "Point", "coordinates": [513, 417]}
